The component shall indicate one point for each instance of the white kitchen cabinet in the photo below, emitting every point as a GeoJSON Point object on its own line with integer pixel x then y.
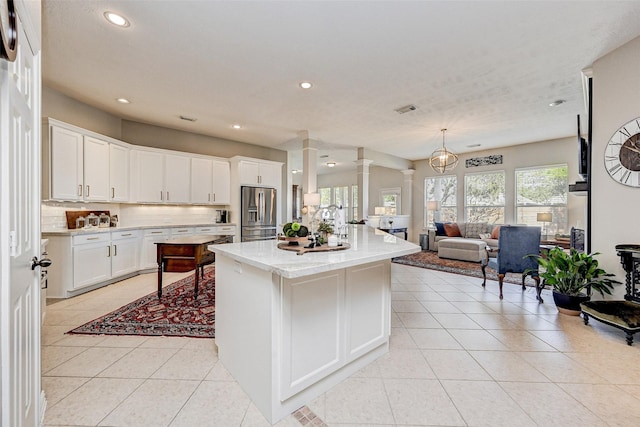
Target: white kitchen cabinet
{"type": "Point", "coordinates": [96, 170]}
{"type": "Point", "coordinates": [149, 170]}
{"type": "Point", "coordinates": [162, 178]}
{"type": "Point", "coordinates": [118, 173]}
{"type": "Point", "coordinates": [125, 249]}
{"type": "Point", "coordinates": [91, 259]}
{"type": "Point", "coordinates": [76, 166]}
{"type": "Point", "coordinates": [255, 172]}
{"type": "Point", "coordinates": [177, 177]}
{"type": "Point", "coordinates": [148, 252]}
{"type": "Point", "coordinates": [221, 193]}
{"type": "Point", "coordinates": [182, 231]}
{"type": "Point", "coordinates": [201, 180]}
{"type": "Point", "coordinates": [219, 230]}
{"type": "Point", "coordinates": [210, 181]}
{"type": "Point", "coordinates": [63, 159]}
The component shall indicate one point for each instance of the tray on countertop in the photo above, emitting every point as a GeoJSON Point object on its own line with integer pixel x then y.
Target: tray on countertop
{"type": "Point", "coordinates": [302, 250]}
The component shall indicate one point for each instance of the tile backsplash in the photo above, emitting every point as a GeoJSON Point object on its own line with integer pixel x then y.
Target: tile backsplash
{"type": "Point", "coordinates": [54, 217]}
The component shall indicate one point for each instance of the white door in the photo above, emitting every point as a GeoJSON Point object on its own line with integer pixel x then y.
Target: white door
{"type": "Point", "coordinates": [150, 176]}
{"type": "Point", "coordinates": [201, 181]}
{"type": "Point", "coordinates": [118, 173]}
{"type": "Point", "coordinates": [221, 182]}
{"type": "Point", "coordinates": [177, 178]}
{"type": "Point", "coordinates": [66, 164]}
{"type": "Point", "coordinates": [20, 237]}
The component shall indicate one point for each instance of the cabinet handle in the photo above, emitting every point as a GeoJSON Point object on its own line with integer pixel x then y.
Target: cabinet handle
{"type": "Point", "coordinates": [214, 197]}
{"type": "Point", "coordinates": [108, 251]}
{"type": "Point", "coordinates": [156, 232]}
{"type": "Point", "coordinates": [113, 193]}
{"type": "Point", "coordinates": [161, 195]}
{"type": "Point", "coordinates": [127, 234]}
{"type": "Point", "coordinates": [167, 196]}
{"type": "Point", "coordinates": [92, 238]}
{"type": "Point", "coordinates": [80, 190]}
{"type": "Point", "coordinates": [209, 197]}
{"type": "Point", "coordinates": [115, 250]}
{"type": "Point", "coordinates": [87, 191]}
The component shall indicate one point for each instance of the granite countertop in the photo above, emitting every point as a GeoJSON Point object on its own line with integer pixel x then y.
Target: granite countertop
{"type": "Point", "coordinates": [367, 245]}
{"type": "Point", "coordinates": [67, 232]}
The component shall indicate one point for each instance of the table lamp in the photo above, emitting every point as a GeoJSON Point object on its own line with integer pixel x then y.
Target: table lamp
{"type": "Point", "coordinates": [434, 206]}
{"type": "Point", "coordinates": [544, 217]}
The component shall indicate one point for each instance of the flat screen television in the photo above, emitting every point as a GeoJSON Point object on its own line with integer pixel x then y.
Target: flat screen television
{"type": "Point", "coordinates": [583, 155]}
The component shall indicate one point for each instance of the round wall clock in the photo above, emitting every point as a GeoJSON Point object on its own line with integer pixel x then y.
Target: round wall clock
{"type": "Point", "coordinates": [622, 154]}
{"type": "Point", "coordinates": [8, 30]}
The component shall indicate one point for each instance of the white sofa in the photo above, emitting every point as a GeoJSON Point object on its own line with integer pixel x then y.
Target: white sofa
{"type": "Point", "coordinates": [459, 250]}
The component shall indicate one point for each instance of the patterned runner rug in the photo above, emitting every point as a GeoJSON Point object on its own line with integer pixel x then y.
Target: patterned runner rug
{"type": "Point", "coordinates": [176, 314]}
{"type": "Point", "coordinates": [431, 260]}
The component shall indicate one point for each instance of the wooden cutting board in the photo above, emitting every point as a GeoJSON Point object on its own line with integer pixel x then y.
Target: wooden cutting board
{"type": "Point", "coordinates": [302, 250]}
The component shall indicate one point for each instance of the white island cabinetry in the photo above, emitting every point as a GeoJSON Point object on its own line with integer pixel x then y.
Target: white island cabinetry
{"type": "Point", "coordinates": [289, 327]}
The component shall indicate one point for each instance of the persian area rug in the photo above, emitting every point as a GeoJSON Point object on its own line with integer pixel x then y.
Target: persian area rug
{"type": "Point", "coordinates": [176, 314]}
{"type": "Point", "coordinates": [431, 261]}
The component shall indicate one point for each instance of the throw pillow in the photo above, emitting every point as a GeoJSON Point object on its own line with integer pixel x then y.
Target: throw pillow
{"type": "Point", "coordinates": [485, 235]}
{"type": "Point", "coordinates": [496, 232]}
{"type": "Point", "coordinates": [474, 229]}
{"type": "Point", "coordinates": [452, 230]}
{"type": "Point", "coordinates": [440, 229]}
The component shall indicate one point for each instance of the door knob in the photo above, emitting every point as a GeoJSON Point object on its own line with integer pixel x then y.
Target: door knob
{"type": "Point", "coordinates": [44, 262]}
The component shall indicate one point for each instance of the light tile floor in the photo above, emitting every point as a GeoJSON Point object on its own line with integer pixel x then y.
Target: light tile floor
{"type": "Point", "coordinates": [458, 357]}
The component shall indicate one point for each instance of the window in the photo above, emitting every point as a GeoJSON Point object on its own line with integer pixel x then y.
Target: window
{"type": "Point", "coordinates": [543, 190]}
{"type": "Point", "coordinates": [442, 192]}
{"type": "Point", "coordinates": [484, 197]}
{"type": "Point", "coordinates": [345, 196]}
{"type": "Point", "coordinates": [390, 200]}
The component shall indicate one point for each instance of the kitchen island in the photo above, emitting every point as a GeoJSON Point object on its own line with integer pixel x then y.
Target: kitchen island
{"type": "Point", "coordinates": [289, 327]}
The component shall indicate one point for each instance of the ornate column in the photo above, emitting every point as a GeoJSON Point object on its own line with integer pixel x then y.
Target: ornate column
{"type": "Point", "coordinates": [363, 187]}
{"type": "Point", "coordinates": [407, 193]}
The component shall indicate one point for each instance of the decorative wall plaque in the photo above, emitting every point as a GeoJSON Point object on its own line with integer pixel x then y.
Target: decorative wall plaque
{"type": "Point", "coordinates": [484, 161]}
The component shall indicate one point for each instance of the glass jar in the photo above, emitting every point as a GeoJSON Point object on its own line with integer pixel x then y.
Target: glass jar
{"type": "Point", "coordinates": [105, 220]}
{"type": "Point", "coordinates": [93, 220]}
{"type": "Point", "coordinates": [80, 222]}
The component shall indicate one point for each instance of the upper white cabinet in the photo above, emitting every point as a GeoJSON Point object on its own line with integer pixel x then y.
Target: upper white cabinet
{"type": "Point", "coordinates": [162, 178]}
{"type": "Point", "coordinates": [210, 181]}
{"type": "Point", "coordinates": [201, 180]}
{"type": "Point", "coordinates": [149, 174]}
{"type": "Point", "coordinates": [96, 169]}
{"type": "Point", "coordinates": [221, 194]}
{"type": "Point", "coordinates": [255, 172]}
{"type": "Point", "coordinates": [118, 173]}
{"type": "Point", "coordinates": [78, 170]}
{"type": "Point", "coordinates": [78, 166]}
{"type": "Point", "coordinates": [177, 178]}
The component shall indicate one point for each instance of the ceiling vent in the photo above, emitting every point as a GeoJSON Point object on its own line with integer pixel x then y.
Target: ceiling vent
{"type": "Point", "coordinates": [406, 109]}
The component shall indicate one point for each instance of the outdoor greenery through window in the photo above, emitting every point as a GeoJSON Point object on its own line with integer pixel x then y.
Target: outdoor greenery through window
{"type": "Point", "coordinates": [543, 190]}
{"type": "Point", "coordinates": [345, 196]}
{"type": "Point", "coordinates": [484, 196]}
{"type": "Point", "coordinates": [441, 191]}
{"type": "Point", "coordinates": [390, 200]}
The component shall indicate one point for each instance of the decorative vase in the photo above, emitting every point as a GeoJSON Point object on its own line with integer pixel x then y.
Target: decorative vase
{"type": "Point", "coordinates": [569, 304]}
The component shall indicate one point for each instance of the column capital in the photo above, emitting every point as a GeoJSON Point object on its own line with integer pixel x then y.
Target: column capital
{"type": "Point", "coordinates": [363, 162]}
{"type": "Point", "coordinates": [408, 172]}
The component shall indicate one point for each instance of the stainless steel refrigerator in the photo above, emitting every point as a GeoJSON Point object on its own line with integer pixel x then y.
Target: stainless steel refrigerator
{"type": "Point", "coordinates": [258, 213]}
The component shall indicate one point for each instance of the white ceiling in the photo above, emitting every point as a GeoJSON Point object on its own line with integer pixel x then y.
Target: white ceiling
{"type": "Point", "coordinates": [485, 70]}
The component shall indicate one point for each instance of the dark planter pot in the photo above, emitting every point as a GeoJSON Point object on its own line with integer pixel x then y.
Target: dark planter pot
{"type": "Point", "coordinates": [569, 304]}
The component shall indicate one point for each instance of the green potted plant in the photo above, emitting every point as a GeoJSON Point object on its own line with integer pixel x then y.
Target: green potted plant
{"type": "Point", "coordinates": [571, 274]}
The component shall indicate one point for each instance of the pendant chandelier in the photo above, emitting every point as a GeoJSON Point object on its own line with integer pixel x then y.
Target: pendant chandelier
{"type": "Point", "coordinates": [443, 160]}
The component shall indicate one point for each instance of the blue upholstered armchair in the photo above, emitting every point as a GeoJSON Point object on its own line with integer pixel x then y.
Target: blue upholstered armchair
{"type": "Point", "coordinates": [514, 244]}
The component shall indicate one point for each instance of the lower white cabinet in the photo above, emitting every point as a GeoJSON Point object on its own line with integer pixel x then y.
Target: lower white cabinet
{"type": "Point", "coordinates": [148, 250]}
{"type": "Point", "coordinates": [85, 261]}
{"type": "Point", "coordinates": [213, 230]}
{"type": "Point", "coordinates": [91, 259]}
{"type": "Point", "coordinates": [124, 252]}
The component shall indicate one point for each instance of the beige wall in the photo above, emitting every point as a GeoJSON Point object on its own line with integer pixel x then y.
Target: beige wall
{"type": "Point", "coordinates": [544, 153]}
{"type": "Point", "coordinates": [68, 110]}
{"type": "Point", "coordinates": [614, 207]}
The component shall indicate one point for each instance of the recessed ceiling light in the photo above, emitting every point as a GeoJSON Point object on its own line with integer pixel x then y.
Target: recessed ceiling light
{"type": "Point", "coordinates": [557, 102]}
{"type": "Point", "coordinates": [236, 126]}
{"type": "Point", "coordinates": [331, 164]}
{"type": "Point", "coordinates": [295, 171]}
{"type": "Point", "coordinates": [123, 100]}
{"type": "Point", "coordinates": [116, 19]}
{"type": "Point", "coordinates": [189, 119]}
{"type": "Point", "coordinates": [306, 85]}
